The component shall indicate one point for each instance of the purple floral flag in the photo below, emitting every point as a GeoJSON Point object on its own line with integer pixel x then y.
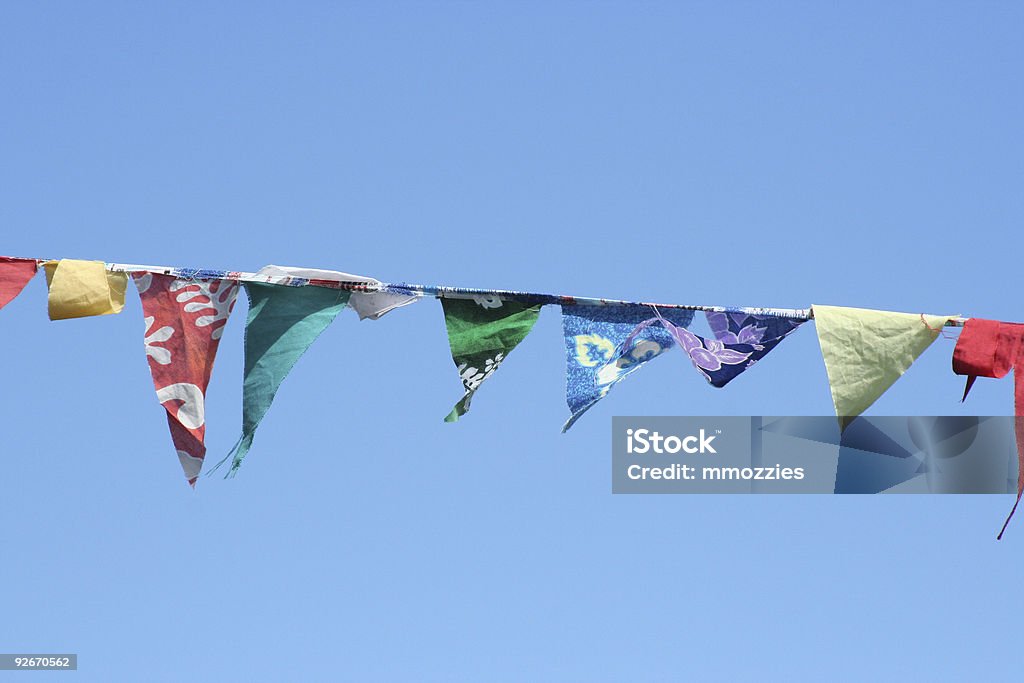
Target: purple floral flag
{"type": "Point", "coordinates": [740, 335]}
{"type": "Point", "coordinates": [741, 339]}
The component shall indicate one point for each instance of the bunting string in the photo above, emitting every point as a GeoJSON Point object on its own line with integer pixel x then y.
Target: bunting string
{"type": "Point", "coordinates": [446, 292]}
{"type": "Point", "coordinates": [439, 291]}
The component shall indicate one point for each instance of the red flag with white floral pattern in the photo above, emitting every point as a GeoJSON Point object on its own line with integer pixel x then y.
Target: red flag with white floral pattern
{"type": "Point", "coordinates": [184, 322]}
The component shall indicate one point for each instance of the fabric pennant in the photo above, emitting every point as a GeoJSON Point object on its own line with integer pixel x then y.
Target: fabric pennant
{"type": "Point", "coordinates": [81, 289]}
{"type": "Point", "coordinates": [184, 323]}
{"type": "Point", "coordinates": [989, 348]}
{"type": "Point", "coordinates": [866, 351]}
{"type": "Point", "coordinates": [593, 335]}
{"type": "Point", "coordinates": [370, 305]}
{"type": "Point", "coordinates": [741, 339]}
{"type": "Point", "coordinates": [14, 275]}
{"type": "Point", "coordinates": [482, 331]}
{"type": "Point", "coordinates": [283, 322]}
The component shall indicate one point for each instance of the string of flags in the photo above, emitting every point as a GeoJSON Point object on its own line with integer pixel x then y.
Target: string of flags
{"type": "Point", "coordinates": [185, 311]}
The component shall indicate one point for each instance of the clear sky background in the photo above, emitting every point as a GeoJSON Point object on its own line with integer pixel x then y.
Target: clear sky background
{"type": "Point", "coordinates": [762, 154]}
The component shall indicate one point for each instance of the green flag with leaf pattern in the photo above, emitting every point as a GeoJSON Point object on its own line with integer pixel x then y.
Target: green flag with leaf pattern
{"type": "Point", "coordinates": [482, 331]}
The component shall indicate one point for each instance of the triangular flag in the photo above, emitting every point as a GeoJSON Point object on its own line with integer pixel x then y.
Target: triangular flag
{"type": "Point", "coordinates": [593, 334]}
{"type": "Point", "coordinates": [184, 323]}
{"type": "Point", "coordinates": [80, 289]}
{"type": "Point", "coordinates": [741, 340]}
{"type": "Point", "coordinates": [866, 351]}
{"type": "Point", "coordinates": [988, 348]}
{"type": "Point", "coordinates": [482, 331]}
{"type": "Point", "coordinates": [283, 322]}
{"type": "Point", "coordinates": [745, 333]}
{"type": "Point", "coordinates": [14, 275]}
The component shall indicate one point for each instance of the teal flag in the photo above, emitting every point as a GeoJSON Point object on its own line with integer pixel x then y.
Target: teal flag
{"type": "Point", "coordinates": [482, 331]}
{"type": "Point", "coordinates": [283, 322]}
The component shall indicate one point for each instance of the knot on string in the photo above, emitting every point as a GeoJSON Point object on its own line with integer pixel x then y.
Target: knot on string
{"type": "Point", "coordinates": [941, 330]}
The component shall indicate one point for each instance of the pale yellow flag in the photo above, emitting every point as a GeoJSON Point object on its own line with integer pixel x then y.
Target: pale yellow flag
{"type": "Point", "coordinates": [79, 289]}
{"type": "Point", "coordinates": [866, 351]}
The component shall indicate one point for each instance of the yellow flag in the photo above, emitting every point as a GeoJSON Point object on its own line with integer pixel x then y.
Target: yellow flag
{"type": "Point", "coordinates": [79, 289]}
{"type": "Point", "coordinates": [866, 351]}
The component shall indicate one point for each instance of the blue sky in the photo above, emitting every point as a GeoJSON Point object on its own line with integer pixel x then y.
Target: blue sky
{"type": "Point", "coordinates": [763, 154]}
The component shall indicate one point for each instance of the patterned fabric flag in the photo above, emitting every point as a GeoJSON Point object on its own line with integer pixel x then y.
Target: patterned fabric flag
{"type": "Point", "coordinates": [482, 331]}
{"type": "Point", "coordinates": [283, 322]}
{"type": "Point", "coordinates": [866, 351]}
{"type": "Point", "coordinates": [741, 339]}
{"type": "Point", "coordinates": [755, 335]}
{"type": "Point", "coordinates": [370, 305]}
{"type": "Point", "coordinates": [988, 348]}
{"type": "Point", "coordinates": [184, 323]}
{"type": "Point", "coordinates": [592, 337]}
{"type": "Point", "coordinates": [14, 275]}
{"type": "Point", "coordinates": [80, 289]}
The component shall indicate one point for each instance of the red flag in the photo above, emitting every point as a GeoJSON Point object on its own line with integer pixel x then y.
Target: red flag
{"type": "Point", "coordinates": [989, 348]}
{"type": "Point", "coordinates": [184, 323]}
{"type": "Point", "coordinates": [14, 275]}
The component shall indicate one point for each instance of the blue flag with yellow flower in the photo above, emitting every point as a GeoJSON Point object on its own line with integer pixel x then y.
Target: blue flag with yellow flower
{"type": "Point", "coordinates": [592, 337]}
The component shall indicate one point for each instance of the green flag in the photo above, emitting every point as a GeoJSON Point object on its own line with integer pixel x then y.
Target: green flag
{"type": "Point", "coordinates": [866, 351]}
{"type": "Point", "coordinates": [481, 332]}
{"type": "Point", "coordinates": [283, 322]}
